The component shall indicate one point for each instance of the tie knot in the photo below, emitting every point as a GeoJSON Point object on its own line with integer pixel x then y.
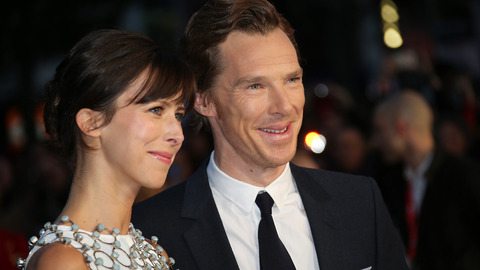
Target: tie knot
{"type": "Point", "coordinates": [264, 202]}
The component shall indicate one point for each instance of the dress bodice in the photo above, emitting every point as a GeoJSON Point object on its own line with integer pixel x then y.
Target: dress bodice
{"type": "Point", "coordinates": [104, 251]}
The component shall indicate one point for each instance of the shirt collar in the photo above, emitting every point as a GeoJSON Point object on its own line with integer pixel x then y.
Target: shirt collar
{"type": "Point", "coordinates": [422, 168]}
{"type": "Point", "coordinates": [243, 194]}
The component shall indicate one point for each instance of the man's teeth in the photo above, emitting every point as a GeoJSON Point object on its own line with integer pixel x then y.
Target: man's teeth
{"type": "Point", "coordinates": [274, 130]}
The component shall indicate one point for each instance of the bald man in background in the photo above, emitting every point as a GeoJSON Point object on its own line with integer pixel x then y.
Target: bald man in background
{"type": "Point", "coordinates": [434, 200]}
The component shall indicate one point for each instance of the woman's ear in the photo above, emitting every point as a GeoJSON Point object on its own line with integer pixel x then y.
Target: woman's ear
{"type": "Point", "coordinates": [203, 105]}
{"type": "Point", "coordinates": [89, 122]}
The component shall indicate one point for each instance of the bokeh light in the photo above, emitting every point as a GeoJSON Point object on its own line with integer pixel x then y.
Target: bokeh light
{"type": "Point", "coordinates": [392, 38]}
{"type": "Point", "coordinates": [389, 13]}
{"type": "Point", "coordinates": [315, 142]}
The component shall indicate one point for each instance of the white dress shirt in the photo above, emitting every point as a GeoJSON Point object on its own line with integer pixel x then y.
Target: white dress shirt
{"type": "Point", "coordinates": [418, 182]}
{"type": "Point", "coordinates": [240, 215]}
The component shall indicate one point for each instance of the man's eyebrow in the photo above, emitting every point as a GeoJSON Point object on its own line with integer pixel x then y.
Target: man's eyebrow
{"type": "Point", "coordinates": [248, 80]}
{"type": "Point", "coordinates": [252, 80]}
{"type": "Point", "coordinates": [296, 73]}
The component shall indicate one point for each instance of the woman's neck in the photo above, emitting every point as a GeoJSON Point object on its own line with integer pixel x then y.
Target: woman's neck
{"type": "Point", "coordinates": [96, 197]}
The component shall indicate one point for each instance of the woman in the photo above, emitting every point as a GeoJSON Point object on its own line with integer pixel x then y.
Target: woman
{"type": "Point", "coordinates": [114, 107]}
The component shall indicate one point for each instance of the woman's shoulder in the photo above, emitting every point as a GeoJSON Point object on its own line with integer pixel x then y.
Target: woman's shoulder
{"type": "Point", "coordinates": [57, 256]}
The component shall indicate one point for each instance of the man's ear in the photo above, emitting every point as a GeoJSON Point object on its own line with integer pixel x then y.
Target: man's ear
{"type": "Point", "coordinates": [401, 126]}
{"type": "Point", "coordinates": [89, 122]}
{"type": "Point", "coordinates": [204, 105]}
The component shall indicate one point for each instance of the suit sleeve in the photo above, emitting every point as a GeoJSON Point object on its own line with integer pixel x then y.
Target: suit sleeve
{"type": "Point", "coordinates": [390, 251]}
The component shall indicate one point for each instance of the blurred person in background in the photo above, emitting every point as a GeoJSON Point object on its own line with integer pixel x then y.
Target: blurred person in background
{"type": "Point", "coordinates": [6, 180]}
{"type": "Point", "coordinates": [12, 242]}
{"type": "Point", "coordinates": [454, 136]}
{"type": "Point", "coordinates": [433, 199]}
{"type": "Point", "coordinates": [349, 150]}
{"type": "Point", "coordinates": [38, 193]}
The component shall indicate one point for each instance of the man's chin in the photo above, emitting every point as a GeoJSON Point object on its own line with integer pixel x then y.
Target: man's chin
{"type": "Point", "coordinates": [277, 160]}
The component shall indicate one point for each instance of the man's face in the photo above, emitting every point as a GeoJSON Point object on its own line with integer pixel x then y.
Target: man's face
{"type": "Point", "coordinates": [387, 138]}
{"type": "Point", "coordinates": [256, 107]}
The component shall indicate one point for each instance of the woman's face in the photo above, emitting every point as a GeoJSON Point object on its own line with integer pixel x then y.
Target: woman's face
{"type": "Point", "coordinates": [140, 142]}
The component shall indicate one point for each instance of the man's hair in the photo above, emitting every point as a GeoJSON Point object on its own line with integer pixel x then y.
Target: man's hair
{"type": "Point", "coordinates": [210, 26]}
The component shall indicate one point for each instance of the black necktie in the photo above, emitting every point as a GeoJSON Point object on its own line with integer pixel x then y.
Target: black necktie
{"type": "Point", "coordinates": [273, 255]}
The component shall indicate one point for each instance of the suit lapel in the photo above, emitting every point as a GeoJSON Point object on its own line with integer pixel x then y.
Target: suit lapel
{"type": "Point", "coordinates": [321, 217]}
{"type": "Point", "coordinates": [206, 238]}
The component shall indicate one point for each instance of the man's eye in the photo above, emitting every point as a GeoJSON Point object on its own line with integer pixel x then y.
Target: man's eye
{"type": "Point", "coordinates": [180, 116]}
{"type": "Point", "coordinates": [254, 86]}
{"type": "Point", "coordinates": [296, 79]}
{"type": "Point", "coordinates": [156, 110]}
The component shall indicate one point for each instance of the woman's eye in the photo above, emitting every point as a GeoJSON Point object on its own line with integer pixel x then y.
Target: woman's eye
{"type": "Point", "coordinates": [157, 110]}
{"type": "Point", "coordinates": [180, 116]}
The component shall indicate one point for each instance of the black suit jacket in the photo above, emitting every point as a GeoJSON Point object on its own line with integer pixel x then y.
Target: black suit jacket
{"type": "Point", "coordinates": [350, 225]}
{"type": "Point", "coordinates": [449, 219]}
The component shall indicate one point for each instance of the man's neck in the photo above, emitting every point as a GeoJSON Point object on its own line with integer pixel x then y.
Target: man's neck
{"type": "Point", "coordinates": [419, 150]}
{"type": "Point", "coordinates": [418, 158]}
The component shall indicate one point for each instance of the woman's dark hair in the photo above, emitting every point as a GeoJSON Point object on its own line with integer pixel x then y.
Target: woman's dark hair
{"type": "Point", "coordinates": [97, 70]}
{"type": "Point", "coordinates": [211, 25]}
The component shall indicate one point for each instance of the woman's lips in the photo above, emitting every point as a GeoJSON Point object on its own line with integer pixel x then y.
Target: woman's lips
{"type": "Point", "coordinates": [162, 156]}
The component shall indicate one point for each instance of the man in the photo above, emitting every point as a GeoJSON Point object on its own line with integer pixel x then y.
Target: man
{"type": "Point", "coordinates": [251, 94]}
{"type": "Point", "coordinates": [434, 201]}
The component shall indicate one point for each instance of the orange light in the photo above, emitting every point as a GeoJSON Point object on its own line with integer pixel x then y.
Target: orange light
{"type": "Point", "coordinates": [315, 142]}
{"type": "Point", "coordinates": [310, 137]}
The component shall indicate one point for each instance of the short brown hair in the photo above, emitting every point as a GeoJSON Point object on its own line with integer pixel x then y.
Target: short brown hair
{"type": "Point", "coordinates": [211, 25]}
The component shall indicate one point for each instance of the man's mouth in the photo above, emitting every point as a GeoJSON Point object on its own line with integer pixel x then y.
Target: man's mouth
{"type": "Point", "coordinates": [277, 131]}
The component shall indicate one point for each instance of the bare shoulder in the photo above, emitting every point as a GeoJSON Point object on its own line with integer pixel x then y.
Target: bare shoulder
{"type": "Point", "coordinates": [57, 256]}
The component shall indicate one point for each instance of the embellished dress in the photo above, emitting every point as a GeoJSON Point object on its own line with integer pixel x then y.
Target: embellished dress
{"type": "Point", "coordinates": [103, 251]}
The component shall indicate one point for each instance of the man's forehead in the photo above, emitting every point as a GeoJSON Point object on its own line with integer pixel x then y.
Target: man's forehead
{"type": "Point", "coordinates": [237, 37]}
{"type": "Point", "coordinates": [258, 50]}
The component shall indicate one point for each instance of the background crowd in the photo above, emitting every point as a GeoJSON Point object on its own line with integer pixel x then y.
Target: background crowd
{"type": "Point", "coordinates": [348, 71]}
